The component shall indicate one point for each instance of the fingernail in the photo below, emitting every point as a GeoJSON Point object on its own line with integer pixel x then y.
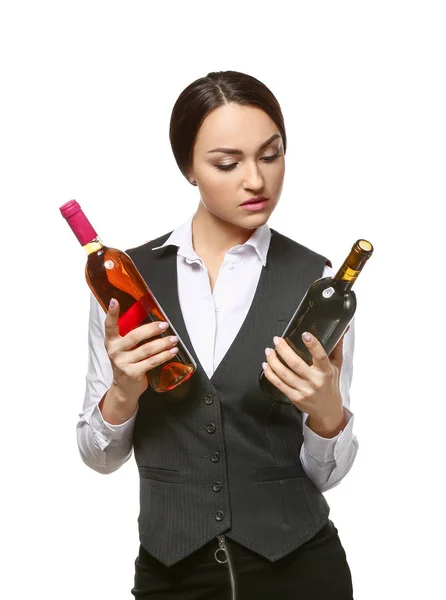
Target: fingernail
{"type": "Point", "coordinates": [112, 303]}
{"type": "Point", "coordinates": [267, 351]}
{"type": "Point", "coordinates": [307, 336]}
{"type": "Point", "coordinates": [264, 366]}
{"type": "Point", "coordinates": [173, 350]}
{"type": "Point", "coordinates": [164, 325]}
{"type": "Point", "coordinates": [173, 339]}
{"type": "Point", "coordinates": [276, 340]}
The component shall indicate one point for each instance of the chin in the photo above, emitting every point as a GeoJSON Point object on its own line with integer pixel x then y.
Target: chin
{"type": "Point", "coordinates": [254, 220]}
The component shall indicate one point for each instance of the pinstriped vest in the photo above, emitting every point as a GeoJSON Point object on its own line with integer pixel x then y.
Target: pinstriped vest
{"type": "Point", "coordinates": [217, 455]}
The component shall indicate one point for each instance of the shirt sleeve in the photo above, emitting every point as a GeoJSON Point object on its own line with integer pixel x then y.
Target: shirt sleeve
{"type": "Point", "coordinates": [102, 446]}
{"type": "Point", "coordinates": [327, 461]}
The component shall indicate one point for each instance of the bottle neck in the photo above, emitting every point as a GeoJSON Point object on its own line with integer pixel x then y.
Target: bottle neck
{"type": "Point", "coordinates": [93, 246]}
{"type": "Point", "coordinates": [346, 277]}
{"type": "Point", "coordinates": [353, 265]}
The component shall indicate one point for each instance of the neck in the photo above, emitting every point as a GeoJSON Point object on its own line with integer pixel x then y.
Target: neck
{"type": "Point", "coordinates": [212, 235]}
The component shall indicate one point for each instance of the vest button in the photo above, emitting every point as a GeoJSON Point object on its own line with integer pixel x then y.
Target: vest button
{"type": "Point", "coordinates": [208, 399]}
{"type": "Point", "coordinates": [219, 516]}
{"type": "Point", "coordinates": [211, 428]}
{"type": "Point", "coordinates": [215, 456]}
{"type": "Point", "coordinates": [217, 486]}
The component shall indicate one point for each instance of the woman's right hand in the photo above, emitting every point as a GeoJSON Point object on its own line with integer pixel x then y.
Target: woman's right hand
{"type": "Point", "coordinates": [130, 363]}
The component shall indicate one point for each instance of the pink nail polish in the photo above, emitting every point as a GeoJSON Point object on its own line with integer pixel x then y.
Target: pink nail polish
{"type": "Point", "coordinates": [307, 336]}
{"type": "Point", "coordinates": [264, 366]}
{"type": "Point", "coordinates": [267, 351]}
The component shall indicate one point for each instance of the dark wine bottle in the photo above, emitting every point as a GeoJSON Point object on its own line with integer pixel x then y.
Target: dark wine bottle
{"type": "Point", "coordinates": [325, 311]}
{"type": "Point", "coordinates": [111, 273]}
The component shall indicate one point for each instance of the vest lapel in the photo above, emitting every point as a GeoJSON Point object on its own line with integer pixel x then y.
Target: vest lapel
{"type": "Point", "coordinates": [162, 279]}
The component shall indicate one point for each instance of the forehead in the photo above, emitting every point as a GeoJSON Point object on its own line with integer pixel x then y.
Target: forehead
{"type": "Point", "coordinates": [235, 126]}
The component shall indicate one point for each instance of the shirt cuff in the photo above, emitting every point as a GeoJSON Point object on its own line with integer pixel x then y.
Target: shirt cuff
{"type": "Point", "coordinates": [104, 432]}
{"type": "Point", "coordinates": [326, 450]}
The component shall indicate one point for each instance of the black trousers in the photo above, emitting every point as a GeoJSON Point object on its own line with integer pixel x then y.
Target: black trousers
{"type": "Point", "coordinates": [318, 570]}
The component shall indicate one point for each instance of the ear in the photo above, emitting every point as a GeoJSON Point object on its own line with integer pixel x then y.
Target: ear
{"type": "Point", "coordinates": [190, 177]}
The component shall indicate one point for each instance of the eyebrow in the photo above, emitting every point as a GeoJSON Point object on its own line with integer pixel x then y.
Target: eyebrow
{"type": "Point", "coordinates": [234, 151]}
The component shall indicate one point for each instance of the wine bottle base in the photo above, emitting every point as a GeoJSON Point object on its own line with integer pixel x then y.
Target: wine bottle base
{"type": "Point", "coordinates": [271, 391]}
{"type": "Point", "coordinates": [172, 375]}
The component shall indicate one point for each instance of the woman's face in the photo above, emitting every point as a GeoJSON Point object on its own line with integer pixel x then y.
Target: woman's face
{"type": "Point", "coordinates": [249, 163]}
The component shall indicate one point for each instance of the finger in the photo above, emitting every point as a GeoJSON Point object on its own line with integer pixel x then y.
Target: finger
{"type": "Point", "coordinates": [337, 355]}
{"type": "Point", "coordinates": [292, 359]}
{"type": "Point", "coordinates": [320, 358]}
{"type": "Point", "coordinates": [111, 321]}
{"type": "Point", "coordinates": [291, 393]}
{"type": "Point", "coordinates": [284, 373]}
{"type": "Point", "coordinates": [151, 348]}
{"type": "Point", "coordinates": [137, 369]}
{"type": "Point", "coordinates": [143, 333]}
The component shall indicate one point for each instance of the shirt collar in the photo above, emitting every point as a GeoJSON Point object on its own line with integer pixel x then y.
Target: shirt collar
{"type": "Point", "coordinates": [182, 238]}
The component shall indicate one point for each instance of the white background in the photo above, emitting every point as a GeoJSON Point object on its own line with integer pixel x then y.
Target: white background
{"type": "Point", "coordinates": [87, 89]}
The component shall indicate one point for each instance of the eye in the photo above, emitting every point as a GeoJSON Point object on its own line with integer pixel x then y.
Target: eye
{"type": "Point", "coordinates": [225, 167]}
{"type": "Point", "coordinates": [271, 158]}
{"type": "Point", "coordinates": [230, 167]}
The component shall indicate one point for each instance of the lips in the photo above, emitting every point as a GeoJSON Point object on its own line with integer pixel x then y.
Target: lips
{"type": "Point", "coordinates": [255, 200]}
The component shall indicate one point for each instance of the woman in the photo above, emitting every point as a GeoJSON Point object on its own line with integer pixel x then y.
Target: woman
{"type": "Point", "coordinates": [231, 482]}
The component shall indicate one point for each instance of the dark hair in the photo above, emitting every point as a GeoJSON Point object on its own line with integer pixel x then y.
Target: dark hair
{"type": "Point", "coordinates": [202, 96]}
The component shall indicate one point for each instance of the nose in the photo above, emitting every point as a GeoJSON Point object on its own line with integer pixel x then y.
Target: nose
{"type": "Point", "coordinates": [252, 177]}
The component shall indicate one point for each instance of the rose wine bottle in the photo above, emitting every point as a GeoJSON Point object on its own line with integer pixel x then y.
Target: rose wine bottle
{"type": "Point", "coordinates": [111, 273]}
{"type": "Point", "coordinates": [325, 311]}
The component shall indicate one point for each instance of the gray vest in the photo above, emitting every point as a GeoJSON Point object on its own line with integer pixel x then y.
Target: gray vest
{"type": "Point", "coordinates": [217, 455]}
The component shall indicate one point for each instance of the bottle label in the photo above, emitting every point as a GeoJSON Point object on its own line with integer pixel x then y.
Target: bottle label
{"type": "Point", "coordinates": [328, 292]}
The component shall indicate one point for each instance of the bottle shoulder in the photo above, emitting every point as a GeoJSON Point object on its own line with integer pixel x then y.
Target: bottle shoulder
{"type": "Point", "coordinates": [107, 252]}
{"type": "Point", "coordinates": [327, 286]}
{"type": "Point", "coordinates": [321, 284]}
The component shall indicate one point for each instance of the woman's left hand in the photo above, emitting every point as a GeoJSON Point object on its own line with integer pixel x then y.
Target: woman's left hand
{"type": "Point", "coordinates": [313, 390]}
